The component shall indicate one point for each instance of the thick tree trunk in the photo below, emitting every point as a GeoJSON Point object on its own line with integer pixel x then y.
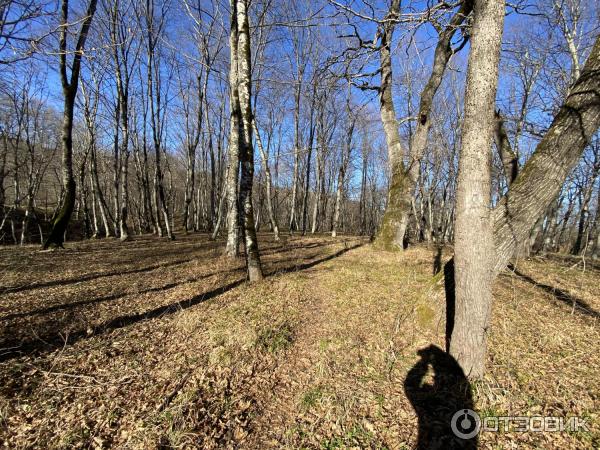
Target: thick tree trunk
{"type": "Point", "coordinates": [544, 174]}
{"type": "Point", "coordinates": [59, 225]}
{"type": "Point", "coordinates": [542, 177]}
{"type": "Point", "coordinates": [473, 244]}
{"type": "Point", "coordinates": [395, 220]}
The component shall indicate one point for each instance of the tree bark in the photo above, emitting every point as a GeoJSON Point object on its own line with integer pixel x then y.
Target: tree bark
{"type": "Point", "coordinates": [580, 242]}
{"type": "Point", "coordinates": [473, 245]}
{"type": "Point", "coordinates": [509, 159]}
{"type": "Point", "coordinates": [343, 167]}
{"type": "Point", "coordinates": [253, 263]}
{"type": "Point", "coordinates": [235, 131]}
{"type": "Point", "coordinates": [542, 177]}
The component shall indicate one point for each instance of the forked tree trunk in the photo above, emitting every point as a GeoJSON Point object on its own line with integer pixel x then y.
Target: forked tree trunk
{"type": "Point", "coordinates": [69, 88]}
{"type": "Point", "coordinates": [395, 219]}
{"type": "Point", "coordinates": [403, 179]}
{"type": "Point", "coordinates": [542, 177]}
{"type": "Point", "coordinates": [473, 244]}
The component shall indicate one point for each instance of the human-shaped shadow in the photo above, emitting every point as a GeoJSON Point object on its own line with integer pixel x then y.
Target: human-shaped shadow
{"type": "Point", "coordinates": [436, 403]}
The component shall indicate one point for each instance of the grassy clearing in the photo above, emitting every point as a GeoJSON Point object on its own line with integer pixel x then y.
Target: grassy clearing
{"type": "Point", "coordinates": [316, 356]}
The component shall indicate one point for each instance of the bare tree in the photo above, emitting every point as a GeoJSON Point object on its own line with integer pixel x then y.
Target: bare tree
{"type": "Point", "coordinates": [69, 88]}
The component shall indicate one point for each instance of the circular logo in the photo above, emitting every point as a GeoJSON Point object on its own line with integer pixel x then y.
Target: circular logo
{"type": "Point", "coordinates": [465, 423]}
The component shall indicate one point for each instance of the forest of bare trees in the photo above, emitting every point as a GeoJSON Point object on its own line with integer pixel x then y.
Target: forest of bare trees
{"type": "Point", "coordinates": [469, 125]}
{"type": "Point", "coordinates": [151, 118]}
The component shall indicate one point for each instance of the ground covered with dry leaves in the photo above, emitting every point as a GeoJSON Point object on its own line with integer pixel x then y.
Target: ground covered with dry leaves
{"type": "Point", "coordinates": [157, 344]}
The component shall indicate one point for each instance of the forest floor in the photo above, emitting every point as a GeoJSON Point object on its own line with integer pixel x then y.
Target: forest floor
{"type": "Point", "coordinates": [157, 344]}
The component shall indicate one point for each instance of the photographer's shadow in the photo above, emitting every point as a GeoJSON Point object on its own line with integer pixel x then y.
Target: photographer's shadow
{"type": "Point", "coordinates": [437, 402]}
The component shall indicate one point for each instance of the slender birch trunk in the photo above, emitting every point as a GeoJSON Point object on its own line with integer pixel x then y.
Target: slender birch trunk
{"type": "Point", "coordinates": [236, 128]}
{"type": "Point", "coordinates": [253, 263]}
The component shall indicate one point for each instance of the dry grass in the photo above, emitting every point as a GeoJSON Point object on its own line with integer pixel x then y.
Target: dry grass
{"type": "Point", "coordinates": [155, 344]}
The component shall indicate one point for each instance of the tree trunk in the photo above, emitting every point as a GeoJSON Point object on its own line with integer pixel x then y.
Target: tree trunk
{"type": "Point", "coordinates": [473, 245]}
{"type": "Point", "coordinates": [542, 177]}
{"type": "Point", "coordinates": [253, 263]}
{"type": "Point", "coordinates": [59, 225]}
{"type": "Point", "coordinates": [235, 132]}
{"type": "Point", "coordinates": [297, 95]}
{"type": "Point", "coordinates": [342, 171]}
{"type": "Point", "coordinates": [116, 167]}
{"type": "Point", "coordinates": [509, 159]}
{"type": "Point", "coordinates": [395, 219]}
{"type": "Point", "coordinates": [580, 242]}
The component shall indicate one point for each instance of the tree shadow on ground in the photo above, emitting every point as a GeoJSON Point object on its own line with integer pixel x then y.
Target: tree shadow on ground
{"type": "Point", "coordinates": [47, 338]}
{"type": "Point", "coordinates": [164, 255]}
{"type": "Point", "coordinates": [437, 389]}
{"type": "Point", "coordinates": [113, 297]}
{"type": "Point", "coordinates": [576, 303]}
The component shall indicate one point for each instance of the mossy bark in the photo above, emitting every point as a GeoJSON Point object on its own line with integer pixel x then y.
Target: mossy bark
{"type": "Point", "coordinates": [395, 220]}
{"type": "Point", "coordinates": [393, 231]}
{"type": "Point", "coordinates": [541, 178]}
{"type": "Point", "coordinates": [394, 224]}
